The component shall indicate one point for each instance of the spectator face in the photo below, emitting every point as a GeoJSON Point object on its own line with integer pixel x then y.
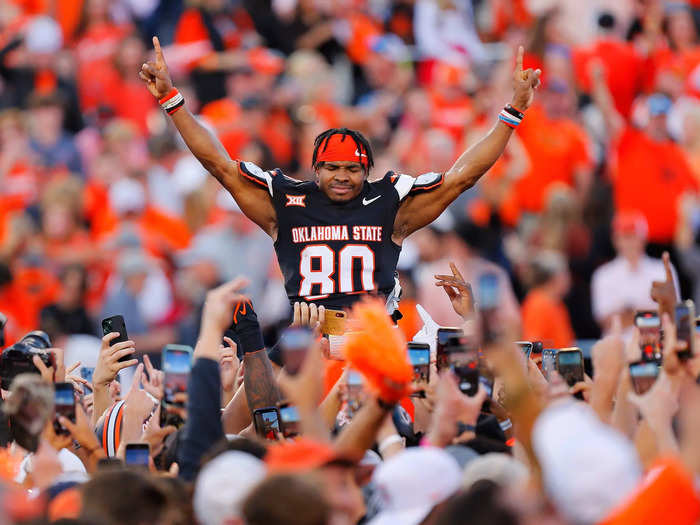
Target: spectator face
{"type": "Point", "coordinates": [72, 293]}
{"type": "Point", "coordinates": [341, 181]}
{"type": "Point", "coordinates": [681, 30]}
{"type": "Point", "coordinates": [58, 222]}
{"type": "Point", "coordinates": [130, 56]}
{"type": "Point", "coordinates": [46, 122]}
{"type": "Point", "coordinates": [657, 128]}
{"type": "Point", "coordinates": [135, 283]}
{"type": "Point", "coordinates": [629, 245]}
{"type": "Point", "coordinates": [96, 11]}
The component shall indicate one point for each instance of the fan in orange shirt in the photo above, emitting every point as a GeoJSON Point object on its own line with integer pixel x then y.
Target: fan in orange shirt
{"type": "Point", "coordinates": [557, 147]}
{"type": "Point", "coordinates": [649, 171]}
{"type": "Point", "coordinates": [545, 317]}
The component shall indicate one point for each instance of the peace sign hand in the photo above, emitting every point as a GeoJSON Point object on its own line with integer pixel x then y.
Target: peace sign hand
{"type": "Point", "coordinates": [155, 74]}
{"type": "Point", "coordinates": [524, 83]}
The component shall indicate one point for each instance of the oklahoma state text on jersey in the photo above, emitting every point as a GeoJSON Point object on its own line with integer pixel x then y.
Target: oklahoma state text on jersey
{"type": "Point", "coordinates": [331, 253]}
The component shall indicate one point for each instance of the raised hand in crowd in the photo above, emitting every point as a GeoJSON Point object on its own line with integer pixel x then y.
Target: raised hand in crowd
{"type": "Point", "coordinates": [110, 361]}
{"type": "Point", "coordinates": [458, 290]}
{"type": "Point", "coordinates": [52, 374]}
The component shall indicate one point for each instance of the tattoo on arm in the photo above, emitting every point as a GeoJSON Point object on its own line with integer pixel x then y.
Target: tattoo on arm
{"type": "Point", "coordinates": [259, 379]}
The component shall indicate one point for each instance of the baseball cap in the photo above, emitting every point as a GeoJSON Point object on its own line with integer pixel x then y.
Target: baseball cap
{"type": "Point", "coordinates": [411, 483]}
{"type": "Point", "coordinates": [43, 35]}
{"type": "Point", "coordinates": [223, 484]}
{"type": "Point", "coordinates": [658, 104]}
{"type": "Point", "coordinates": [502, 469]}
{"type": "Point", "coordinates": [630, 223]}
{"type": "Point", "coordinates": [588, 467]}
{"type": "Point", "coordinates": [302, 455]}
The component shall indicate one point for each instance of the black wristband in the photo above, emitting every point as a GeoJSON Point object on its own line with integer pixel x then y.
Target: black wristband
{"type": "Point", "coordinates": [247, 328]}
{"type": "Point", "coordinates": [515, 112]}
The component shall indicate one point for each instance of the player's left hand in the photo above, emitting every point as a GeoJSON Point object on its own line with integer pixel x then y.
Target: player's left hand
{"type": "Point", "coordinates": [524, 83]}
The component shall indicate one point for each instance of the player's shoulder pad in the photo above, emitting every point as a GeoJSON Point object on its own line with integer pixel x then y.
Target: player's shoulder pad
{"type": "Point", "coordinates": [255, 173]}
{"type": "Point", "coordinates": [406, 185]}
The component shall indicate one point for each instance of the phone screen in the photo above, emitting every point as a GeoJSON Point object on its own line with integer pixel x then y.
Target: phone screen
{"type": "Point", "coordinates": [294, 343]}
{"type": "Point", "coordinates": [443, 336]}
{"type": "Point", "coordinates": [64, 403]}
{"type": "Point", "coordinates": [86, 373]}
{"type": "Point", "coordinates": [488, 291]}
{"type": "Point", "coordinates": [137, 454]}
{"type": "Point", "coordinates": [643, 375]}
{"type": "Point", "coordinates": [549, 361]}
{"type": "Point", "coordinates": [685, 327]}
{"type": "Point", "coordinates": [570, 366]}
{"type": "Point", "coordinates": [290, 419]}
{"type": "Point", "coordinates": [267, 422]}
{"type": "Point", "coordinates": [463, 359]}
{"type": "Point", "coordinates": [526, 347]}
{"type": "Point", "coordinates": [649, 326]}
{"type": "Point", "coordinates": [177, 363]}
{"type": "Point", "coordinates": [419, 356]}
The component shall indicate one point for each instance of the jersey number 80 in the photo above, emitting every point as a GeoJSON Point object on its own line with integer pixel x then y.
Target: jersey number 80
{"type": "Point", "coordinates": [318, 267]}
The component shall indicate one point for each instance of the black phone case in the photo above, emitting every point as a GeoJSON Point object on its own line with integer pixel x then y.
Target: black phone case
{"type": "Point", "coordinates": [117, 325]}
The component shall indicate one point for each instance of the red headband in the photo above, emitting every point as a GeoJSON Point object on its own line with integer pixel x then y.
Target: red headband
{"type": "Point", "coordinates": [341, 148]}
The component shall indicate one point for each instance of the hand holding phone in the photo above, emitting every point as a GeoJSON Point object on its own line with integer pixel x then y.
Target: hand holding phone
{"type": "Point", "coordinates": [419, 356]}
{"type": "Point", "coordinates": [295, 343]}
{"type": "Point", "coordinates": [290, 421]}
{"type": "Point", "coordinates": [649, 326]}
{"type": "Point", "coordinates": [643, 375]}
{"type": "Point", "coordinates": [116, 324]}
{"type": "Point", "coordinates": [177, 364]}
{"type": "Point", "coordinates": [443, 335]}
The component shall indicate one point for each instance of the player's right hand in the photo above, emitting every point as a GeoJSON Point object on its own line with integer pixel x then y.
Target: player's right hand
{"type": "Point", "coordinates": [155, 74]}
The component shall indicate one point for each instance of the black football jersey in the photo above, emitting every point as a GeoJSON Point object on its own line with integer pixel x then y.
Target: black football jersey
{"type": "Point", "coordinates": [332, 253]}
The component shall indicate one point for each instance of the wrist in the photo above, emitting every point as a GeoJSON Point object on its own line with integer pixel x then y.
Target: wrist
{"type": "Point", "coordinates": [172, 101]}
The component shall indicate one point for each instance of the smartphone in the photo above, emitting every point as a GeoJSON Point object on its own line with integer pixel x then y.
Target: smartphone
{"type": "Point", "coordinates": [334, 322]}
{"type": "Point", "coordinates": [569, 364]}
{"type": "Point", "coordinates": [488, 289]}
{"type": "Point", "coordinates": [526, 347]}
{"type": "Point", "coordinates": [419, 356]}
{"type": "Point", "coordinates": [294, 343]}
{"type": "Point", "coordinates": [463, 359]}
{"type": "Point", "coordinates": [137, 454]}
{"type": "Point", "coordinates": [267, 422]}
{"type": "Point", "coordinates": [64, 403]}
{"type": "Point", "coordinates": [176, 362]}
{"type": "Point", "coordinates": [443, 335]}
{"type": "Point", "coordinates": [643, 375]}
{"type": "Point", "coordinates": [86, 373]}
{"type": "Point", "coordinates": [649, 326]}
{"type": "Point", "coordinates": [685, 328]}
{"type": "Point", "coordinates": [116, 324]}
{"type": "Point", "coordinates": [289, 419]}
{"type": "Point", "coordinates": [549, 362]}
{"type": "Point", "coordinates": [486, 379]}
{"type": "Point", "coordinates": [355, 385]}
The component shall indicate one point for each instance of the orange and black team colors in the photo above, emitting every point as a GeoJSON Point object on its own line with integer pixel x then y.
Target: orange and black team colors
{"type": "Point", "coordinates": [330, 252]}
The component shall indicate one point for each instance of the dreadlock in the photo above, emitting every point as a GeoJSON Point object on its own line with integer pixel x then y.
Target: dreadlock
{"type": "Point", "coordinates": [321, 143]}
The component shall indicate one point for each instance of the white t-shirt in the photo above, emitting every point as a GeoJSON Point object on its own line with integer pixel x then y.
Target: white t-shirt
{"type": "Point", "coordinates": [615, 286]}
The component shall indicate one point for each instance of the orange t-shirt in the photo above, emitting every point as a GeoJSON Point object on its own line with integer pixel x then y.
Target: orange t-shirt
{"type": "Point", "coordinates": [547, 320]}
{"type": "Point", "coordinates": [624, 70]}
{"type": "Point", "coordinates": [557, 148]}
{"type": "Point", "coordinates": [649, 176]}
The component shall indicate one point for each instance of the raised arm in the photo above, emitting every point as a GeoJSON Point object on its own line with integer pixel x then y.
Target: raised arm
{"type": "Point", "coordinates": [421, 209]}
{"type": "Point", "coordinates": [253, 200]}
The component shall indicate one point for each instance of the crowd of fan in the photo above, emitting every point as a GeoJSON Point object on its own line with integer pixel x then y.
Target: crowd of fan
{"type": "Point", "coordinates": [103, 211]}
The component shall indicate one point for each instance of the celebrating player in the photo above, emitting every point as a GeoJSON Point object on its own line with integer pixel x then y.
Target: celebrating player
{"type": "Point", "coordinates": [339, 236]}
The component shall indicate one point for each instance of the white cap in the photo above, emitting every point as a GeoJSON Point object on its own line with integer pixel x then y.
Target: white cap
{"type": "Point", "coordinates": [588, 467]}
{"type": "Point", "coordinates": [223, 484]}
{"type": "Point", "coordinates": [43, 35]}
{"type": "Point", "coordinates": [127, 195]}
{"type": "Point", "coordinates": [188, 175]}
{"type": "Point", "coordinates": [411, 483]}
{"type": "Point", "coordinates": [500, 468]}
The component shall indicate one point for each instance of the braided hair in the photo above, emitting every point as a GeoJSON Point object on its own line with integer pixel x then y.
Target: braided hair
{"type": "Point", "coordinates": [321, 143]}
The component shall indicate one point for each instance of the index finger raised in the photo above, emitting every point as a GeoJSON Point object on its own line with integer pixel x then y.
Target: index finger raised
{"type": "Point", "coordinates": [519, 59]}
{"type": "Point", "coordinates": [159, 51]}
{"type": "Point", "coordinates": [667, 266]}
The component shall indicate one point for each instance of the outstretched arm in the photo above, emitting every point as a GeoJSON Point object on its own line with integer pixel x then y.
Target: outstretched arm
{"type": "Point", "coordinates": [253, 200]}
{"type": "Point", "coordinates": [419, 210]}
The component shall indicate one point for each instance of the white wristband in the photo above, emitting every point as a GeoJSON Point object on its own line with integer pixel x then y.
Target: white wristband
{"type": "Point", "coordinates": [506, 424]}
{"type": "Point", "coordinates": [388, 441]}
